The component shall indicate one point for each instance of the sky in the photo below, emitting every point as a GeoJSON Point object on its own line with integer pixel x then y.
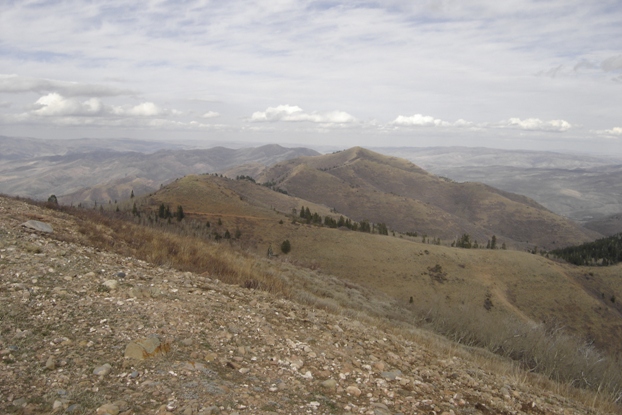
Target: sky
{"type": "Point", "coordinates": [528, 74]}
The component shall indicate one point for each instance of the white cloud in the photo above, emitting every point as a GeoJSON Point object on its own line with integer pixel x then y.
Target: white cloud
{"type": "Point", "coordinates": [210, 114]}
{"type": "Point", "coordinates": [535, 124]}
{"type": "Point", "coordinates": [419, 120]}
{"type": "Point", "coordinates": [293, 113]}
{"type": "Point", "coordinates": [56, 105]}
{"type": "Point", "coordinates": [19, 84]}
{"type": "Point", "coordinates": [146, 109]}
{"type": "Point", "coordinates": [615, 131]}
{"type": "Point", "coordinates": [53, 105]}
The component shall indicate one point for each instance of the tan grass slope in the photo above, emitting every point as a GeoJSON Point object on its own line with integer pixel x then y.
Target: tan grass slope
{"type": "Point", "coordinates": [520, 287]}
{"type": "Point", "coordinates": [366, 185]}
{"type": "Point", "coordinates": [311, 344]}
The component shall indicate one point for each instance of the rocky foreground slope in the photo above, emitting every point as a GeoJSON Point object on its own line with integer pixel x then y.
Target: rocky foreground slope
{"type": "Point", "coordinates": [84, 331]}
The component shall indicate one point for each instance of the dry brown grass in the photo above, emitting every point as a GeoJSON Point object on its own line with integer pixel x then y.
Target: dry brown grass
{"type": "Point", "coordinates": [372, 292]}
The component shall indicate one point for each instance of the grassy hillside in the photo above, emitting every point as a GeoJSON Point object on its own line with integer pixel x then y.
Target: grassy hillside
{"type": "Point", "coordinates": [502, 286]}
{"type": "Point", "coordinates": [171, 286]}
{"type": "Point", "coordinates": [367, 185]}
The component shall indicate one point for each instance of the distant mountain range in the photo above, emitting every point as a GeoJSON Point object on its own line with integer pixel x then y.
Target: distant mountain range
{"type": "Point", "coordinates": [583, 188]}
{"type": "Point", "coordinates": [586, 189]}
{"type": "Point", "coordinates": [79, 171]}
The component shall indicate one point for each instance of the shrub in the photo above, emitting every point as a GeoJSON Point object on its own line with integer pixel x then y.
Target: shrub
{"type": "Point", "coordinates": [286, 246]}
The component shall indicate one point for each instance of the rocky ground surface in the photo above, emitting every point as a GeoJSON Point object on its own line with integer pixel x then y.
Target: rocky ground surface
{"type": "Point", "coordinates": [69, 315]}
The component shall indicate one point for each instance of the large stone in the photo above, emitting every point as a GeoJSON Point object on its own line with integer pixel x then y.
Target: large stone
{"type": "Point", "coordinates": [108, 409]}
{"type": "Point", "coordinates": [394, 374]}
{"type": "Point", "coordinates": [329, 384]}
{"type": "Point", "coordinates": [353, 390]}
{"type": "Point", "coordinates": [380, 409]}
{"type": "Point", "coordinates": [102, 370]}
{"type": "Point", "coordinates": [145, 348]}
{"type": "Point", "coordinates": [38, 226]}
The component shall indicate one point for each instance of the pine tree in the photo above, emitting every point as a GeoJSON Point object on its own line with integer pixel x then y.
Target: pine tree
{"type": "Point", "coordinates": [180, 213]}
{"type": "Point", "coordinates": [286, 246]}
{"type": "Point", "coordinates": [132, 195]}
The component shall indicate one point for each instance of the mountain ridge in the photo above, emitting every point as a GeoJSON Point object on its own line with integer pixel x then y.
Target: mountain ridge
{"type": "Point", "coordinates": [369, 186]}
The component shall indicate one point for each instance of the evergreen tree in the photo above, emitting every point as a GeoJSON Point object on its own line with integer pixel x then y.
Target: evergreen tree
{"type": "Point", "coordinates": [286, 246]}
{"type": "Point", "coordinates": [132, 195]}
{"type": "Point", "coordinates": [493, 242]}
{"type": "Point", "coordinates": [364, 226]}
{"type": "Point", "coordinates": [464, 241]}
{"type": "Point", "coordinates": [382, 229]}
{"type": "Point", "coordinates": [180, 213]}
{"type": "Point", "coordinates": [53, 200]}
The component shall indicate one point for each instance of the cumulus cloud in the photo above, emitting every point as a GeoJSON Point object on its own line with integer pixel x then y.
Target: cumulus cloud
{"type": "Point", "coordinates": [293, 113]}
{"type": "Point", "coordinates": [535, 124]}
{"type": "Point", "coordinates": [56, 105]}
{"type": "Point", "coordinates": [146, 109]}
{"type": "Point", "coordinates": [210, 114]}
{"type": "Point", "coordinates": [531, 124]}
{"type": "Point", "coordinates": [615, 132]}
{"type": "Point", "coordinates": [20, 84]}
{"type": "Point", "coordinates": [419, 120]}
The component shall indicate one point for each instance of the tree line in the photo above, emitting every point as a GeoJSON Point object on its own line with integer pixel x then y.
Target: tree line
{"type": "Point", "coordinates": [604, 251]}
{"type": "Point", "coordinates": [328, 221]}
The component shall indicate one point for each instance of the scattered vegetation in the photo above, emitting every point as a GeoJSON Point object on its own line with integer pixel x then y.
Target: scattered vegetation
{"type": "Point", "coordinates": [545, 349]}
{"type": "Point", "coordinates": [249, 178]}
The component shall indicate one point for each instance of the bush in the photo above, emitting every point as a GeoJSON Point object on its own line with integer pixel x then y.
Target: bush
{"type": "Point", "coordinates": [286, 246]}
